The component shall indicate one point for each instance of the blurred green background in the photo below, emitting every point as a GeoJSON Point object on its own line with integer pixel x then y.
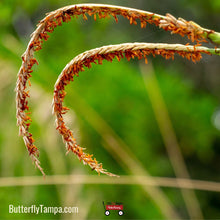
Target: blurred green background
{"type": "Point", "coordinates": [141, 110]}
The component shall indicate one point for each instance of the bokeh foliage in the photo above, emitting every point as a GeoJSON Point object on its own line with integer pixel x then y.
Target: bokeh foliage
{"type": "Point", "coordinates": [117, 94]}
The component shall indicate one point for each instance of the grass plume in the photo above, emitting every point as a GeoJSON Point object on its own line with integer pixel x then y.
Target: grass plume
{"type": "Point", "coordinates": [65, 14]}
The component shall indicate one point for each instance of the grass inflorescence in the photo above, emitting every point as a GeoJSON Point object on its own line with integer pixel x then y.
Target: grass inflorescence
{"type": "Point", "coordinates": [130, 51]}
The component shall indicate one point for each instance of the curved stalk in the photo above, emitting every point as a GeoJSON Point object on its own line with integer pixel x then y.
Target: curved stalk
{"type": "Point", "coordinates": [128, 50]}
{"type": "Point", "coordinates": [55, 18]}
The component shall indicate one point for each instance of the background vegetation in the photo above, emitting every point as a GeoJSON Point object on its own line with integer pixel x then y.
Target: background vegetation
{"type": "Point", "coordinates": [112, 96]}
